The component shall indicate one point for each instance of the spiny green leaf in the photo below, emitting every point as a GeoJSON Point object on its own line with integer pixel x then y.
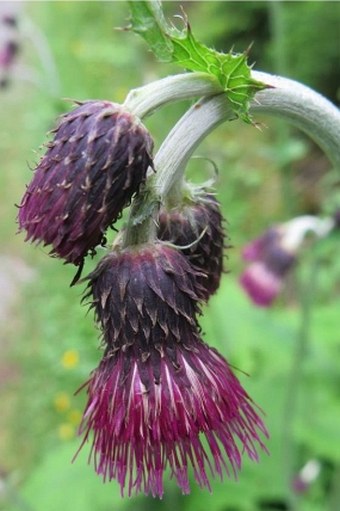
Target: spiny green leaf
{"type": "Point", "coordinates": [232, 70]}
{"type": "Point", "coordinates": [181, 47]}
{"type": "Point", "coordinates": [148, 21]}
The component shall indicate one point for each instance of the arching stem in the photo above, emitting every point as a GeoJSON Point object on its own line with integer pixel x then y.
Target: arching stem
{"type": "Point", "coordinates": [287, 99]}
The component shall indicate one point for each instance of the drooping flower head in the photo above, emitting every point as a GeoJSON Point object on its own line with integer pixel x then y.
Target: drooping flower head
{"type": "Point", "coordinates": [274, 254]}
{"type": "Point", "coordinates": [270, 262]}
{"type": "Point", "coordinates": [161, 398]}
{"type": "Point", "coordinates": [96, 162]}
{"type": "Point", "coordinates": [198, 225]}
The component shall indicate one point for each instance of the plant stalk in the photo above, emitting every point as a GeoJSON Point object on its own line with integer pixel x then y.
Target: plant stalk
{"type": "Point", "coordinates": [295, 377]}
{"type": "Point", "coordinates": [288, 99]}
{"type": "Point", "coordinates": [304, 108]}
{"type": "Point", "coordinates": [148, 98]}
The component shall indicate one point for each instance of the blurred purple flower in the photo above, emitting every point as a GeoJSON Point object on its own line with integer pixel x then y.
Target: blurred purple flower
{"type": "Point", "coordinates": [161, 397]}
{"type": "Point", "coordinates": [273, 255]}
{"type": "Point", "coordinates": [96, 162]}
{"type": "Point", "coordinates": [9, 43]}
{"type": "Point", "coordinates": [256, 249]}
{"type": "Point", "coordinates": [307, 476]}
{"type": "Point", "coordinates": [7, 54]}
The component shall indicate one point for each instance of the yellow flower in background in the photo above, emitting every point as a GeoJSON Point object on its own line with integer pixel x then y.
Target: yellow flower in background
{"type": "Point", "coordinates": [70, 359]}
{"type": "Point", "coordinates": [62, 402]}
{"type": "Point", "coordinates": [66, 431]}
{"type": "Point", "coordinates": [74, 416]}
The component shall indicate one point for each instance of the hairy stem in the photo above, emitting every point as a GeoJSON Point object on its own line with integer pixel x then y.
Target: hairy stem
{"type": "Point", "coordinates": [305, 108]}
{"type": "Point", "coordinates": [183, 139]}
{"type": "Point", "coordinates": [288, 99]}
{"type": "Point", "coordinates": [141, 227]}
{"type": "Point", "coordinates": [144, 100]}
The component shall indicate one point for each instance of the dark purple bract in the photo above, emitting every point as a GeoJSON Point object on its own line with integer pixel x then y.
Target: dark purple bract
{"type": "Point", "coordinates": [198, 223]}
{"type": "Point", "coordinates": [96, 161]}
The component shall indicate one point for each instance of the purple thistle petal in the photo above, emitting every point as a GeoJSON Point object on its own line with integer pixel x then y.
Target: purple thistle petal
{"type": "Point", "coordinates": [196, 415]}
{"type": "Point", "coordinates": [261, 284]}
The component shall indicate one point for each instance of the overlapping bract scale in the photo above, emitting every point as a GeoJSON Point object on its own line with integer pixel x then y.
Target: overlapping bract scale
{"type": "Point", "coordinates": [95, 163]}
{"type": "Point", "coordinates": [197, 225]}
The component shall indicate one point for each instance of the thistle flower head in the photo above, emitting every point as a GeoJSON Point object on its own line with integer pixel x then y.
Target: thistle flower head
{"type": "Point", "coordinates": [161, 398]}
{"type": "Point", "coordinates": [270, 263]}
{"type": "Point", "coordinates": [197, 225]}
{"type": "Point", "coordinates": [96, 161]}
{"type": "Point", "coordinates": [7, 54]}
{"type": "Point", "coordinates": [273, 255]}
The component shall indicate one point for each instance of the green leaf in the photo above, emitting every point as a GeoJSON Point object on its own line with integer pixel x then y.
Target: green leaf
{"type": "Point", "coordinates": [181, 47]}
{"type": "Point", "coordinates": [231, 70]}
{"type": "Point", "coordinates": [148, 21]}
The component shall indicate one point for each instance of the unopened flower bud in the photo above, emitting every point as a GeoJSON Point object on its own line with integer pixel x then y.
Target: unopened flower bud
{"type": "Point", "coordinates": [96, 161]}
{"type": "Point", "coordinates": [197, 225]}
{"type": "Point", "coordinates": [270, 263]}
{"type": "Point", "coordinates": [273, 255]}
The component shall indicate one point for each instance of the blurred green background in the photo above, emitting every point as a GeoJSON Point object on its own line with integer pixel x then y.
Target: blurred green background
{"type": "Point", "coordinates": [291, 352]}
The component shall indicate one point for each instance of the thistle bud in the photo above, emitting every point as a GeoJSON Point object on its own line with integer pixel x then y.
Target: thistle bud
{"type": "Point", "coordinates": [197, 225]}
{"type": "Point", "coordinates": [270, 261]}
{"type": "Point", "coordinates": [96, 161]}
{"type": "Point", "coordinates": [273, 255]}
{"type": "Point", "coordinates": [160, 389]}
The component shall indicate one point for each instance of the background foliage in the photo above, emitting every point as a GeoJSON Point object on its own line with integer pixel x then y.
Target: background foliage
{"type": "Point", "coordinates": [49, 345]}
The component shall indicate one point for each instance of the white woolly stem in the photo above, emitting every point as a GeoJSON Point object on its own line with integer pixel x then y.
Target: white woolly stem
{"type": "Point", "coordinates": [186, 135]}
{"type": "Point", "coordinates": [144, 100]}
{"type": "Point", "coordinates": [304, 107]}
{"type": "Point", "coordinates": [296, 230]}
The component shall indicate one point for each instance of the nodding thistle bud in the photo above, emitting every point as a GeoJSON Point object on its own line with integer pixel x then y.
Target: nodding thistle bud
{"type": "Point", "coordinates": [161, 397]}
{"type": "Point", "coordinates": [198, 225]}
{"type": "Point", "coordinates": [96, 161]}
{"type": "Point", "coordinates": [274, 254]}
{"type": "Point", "coordinates": [270, 263]}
